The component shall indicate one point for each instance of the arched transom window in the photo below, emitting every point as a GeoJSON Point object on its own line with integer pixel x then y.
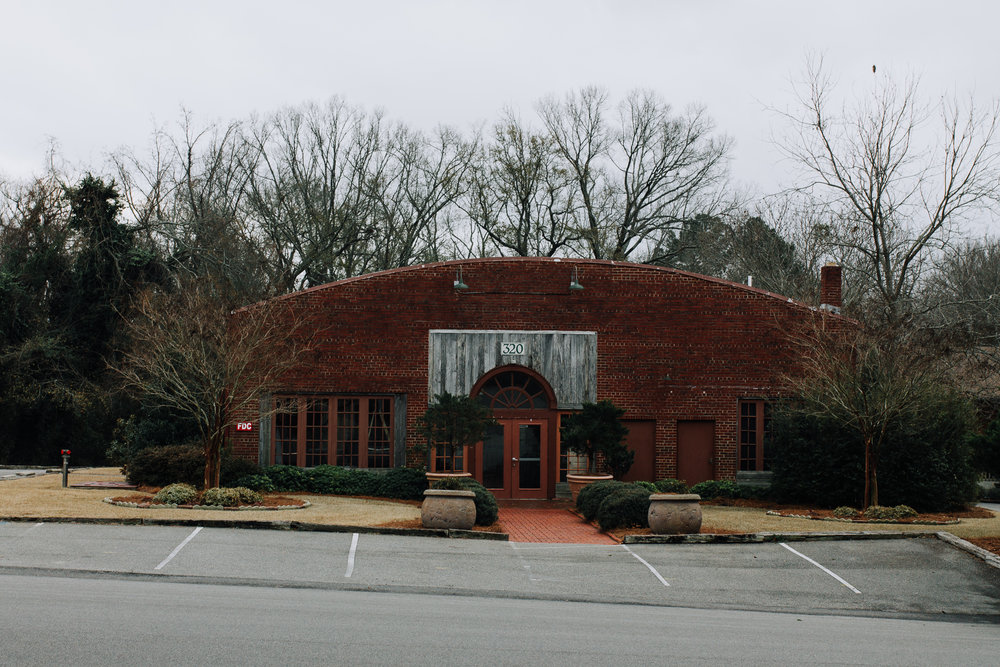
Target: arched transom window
{"type": "Point", "coordinates": [514, 390]}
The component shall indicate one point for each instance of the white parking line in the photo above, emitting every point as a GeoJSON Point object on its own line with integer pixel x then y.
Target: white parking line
{"type": "Point", "coordinates": [644, 562]}
{"type": "Point", "coordinates": [37, 525]}
{"type": "Point", "coordinates": [350, 556]}
{"type": "Point", "coordinates": [178, 549]}
{"type": "Point", "coordinates": [832, 574]}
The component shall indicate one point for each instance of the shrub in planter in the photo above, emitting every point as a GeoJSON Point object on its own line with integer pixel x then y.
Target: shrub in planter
{"type": "Point", "coordinates": [597, 432]}
{"type": "Point", "coordinates": [176, 494]}
{"type": "Point", "coordinates": [624, 507]}
{"type": "Point", "coordinates": [487, 509]}
{"type": "Point", "coordinates": [671, 486]}
{"type": "Point", "coordinates": [258, 482]}
{"type": "Point", "coordinates": [402, 483]}
{"type": "Point", "coordinates": [592, 495]}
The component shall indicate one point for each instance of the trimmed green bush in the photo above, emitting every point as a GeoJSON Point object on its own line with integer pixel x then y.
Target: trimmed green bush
{"type": "Point", "coordinates": [487, 509]}
{"type": "Point", "coordinates": [649, 486]}
{"type": "Point", "coordinates": [247, 496]}
{"type": "Point", "coordinates": [160, 466]}
{"type": "Point", "coordinates": [591, 496]}
{"type": "Point", "coordinates": [877, 512]}
{"type": "Point", "coordinates": [671, 486]}
{"type": "Point", "coordinates": [260, 482]}
{"type": "Point", "coordinates": [624, 507]}
{"type": "Point", "coordinates": [402, 483]}
{"type": "Point", "coordinates": [287, 478]}
{"type": "Point", "coordinates": [714, 488]}
{"type": "Point", "coordinates": [221, 496]}
{"type": "Point", "coordinates": [335, 480]}
{"type": "Point", "coordinates": [176, 494]}
{"type": "Point", "coordinates": [844, 512]}
{"type": "Point", "coordinates": [234, 468]}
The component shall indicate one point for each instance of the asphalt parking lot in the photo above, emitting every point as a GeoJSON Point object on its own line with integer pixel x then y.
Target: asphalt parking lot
{"type": "Point", "coordinates": [903, 578]}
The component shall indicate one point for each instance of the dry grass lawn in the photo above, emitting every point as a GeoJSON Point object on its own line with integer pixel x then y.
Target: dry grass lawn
{"type": "Point", "coordinates": [720, 519]}
{"type": "Point", "coordinates": [38, 497]}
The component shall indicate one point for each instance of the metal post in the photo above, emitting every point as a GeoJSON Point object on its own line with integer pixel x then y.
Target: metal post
{"type": "Point", "coordinates": [65, 468]}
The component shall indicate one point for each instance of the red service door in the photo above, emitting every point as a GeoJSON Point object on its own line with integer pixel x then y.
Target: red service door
{"type": "Point", "coordinates": [695, 451]}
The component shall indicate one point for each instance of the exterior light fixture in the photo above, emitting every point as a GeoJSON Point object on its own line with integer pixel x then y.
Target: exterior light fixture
{"type": "Point", "coordinates": [574, 283]}
{"type": "Point", "coordinates": [459, 283]}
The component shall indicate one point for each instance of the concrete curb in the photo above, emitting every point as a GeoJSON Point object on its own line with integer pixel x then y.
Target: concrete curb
{"type": "Point", "coordinates": [988, 557]}
{"type": "Point", "coordinates": [268, 525]}
{"type": "Point", "coordinates": [749, 538]}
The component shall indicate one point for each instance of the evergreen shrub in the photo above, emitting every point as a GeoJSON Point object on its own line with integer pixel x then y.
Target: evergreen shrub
{"type": "Point", "coordinates": [160, 466]}
{"type": "Point", "coordinates": [625, 507]}
{"type": "Point", "coordinates": [176, 494]}
{"type": "Point", "coordinates": [591, 496]}
{"type": "Point", "coordinates": [671, 486]}
{"type": "Point", "coordinates": [713, 488]}
{"type": "Point", "coordinates": [260, 482]}
{"type": "Point", "coordinates": [402, 483]}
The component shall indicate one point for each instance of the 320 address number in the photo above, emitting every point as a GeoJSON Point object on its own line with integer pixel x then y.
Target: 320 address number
{"type": "Point", "coordinates": [512, 348]}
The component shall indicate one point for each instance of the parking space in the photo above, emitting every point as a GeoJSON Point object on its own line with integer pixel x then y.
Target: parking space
{"type": "Point", "coordinates": [908, 577]}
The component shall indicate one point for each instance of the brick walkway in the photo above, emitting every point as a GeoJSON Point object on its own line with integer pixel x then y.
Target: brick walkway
{"type": "Point", "coordinates": [548, 522]}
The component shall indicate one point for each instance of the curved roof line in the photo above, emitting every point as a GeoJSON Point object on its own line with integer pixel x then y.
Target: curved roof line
{"type": "Point", "coordinates": [554, 260]}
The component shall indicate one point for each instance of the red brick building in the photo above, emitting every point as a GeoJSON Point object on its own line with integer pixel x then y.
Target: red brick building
{"type": "Point", "coordinates": [693, 360]}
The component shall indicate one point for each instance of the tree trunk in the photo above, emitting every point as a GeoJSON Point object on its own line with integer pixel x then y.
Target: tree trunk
{"type": "Point", "coordinates": [213, 464]}
{"type": "Point", "coordinates": [871, 479]}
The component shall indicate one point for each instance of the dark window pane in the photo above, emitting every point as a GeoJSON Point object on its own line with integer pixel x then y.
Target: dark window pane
{"type": "Point", "coordinates": [493, 458]}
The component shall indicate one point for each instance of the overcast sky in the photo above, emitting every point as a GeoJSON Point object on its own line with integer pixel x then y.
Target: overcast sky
{"type": "Point", "coordinates": [94, 76]}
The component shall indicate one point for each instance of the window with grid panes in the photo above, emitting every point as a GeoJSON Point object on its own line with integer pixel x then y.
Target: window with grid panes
{"type": "Point", "coordinates": [352, 431]}
{"type": "Point", "coordinates": [754, 435]}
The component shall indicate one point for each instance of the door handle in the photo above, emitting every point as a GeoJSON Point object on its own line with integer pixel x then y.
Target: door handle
{"type": "Point", "coordinates": [513, 461]}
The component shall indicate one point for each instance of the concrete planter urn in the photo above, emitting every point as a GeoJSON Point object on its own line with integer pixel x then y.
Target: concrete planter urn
{"type": "Point", "coordinates": [577, 482]}
{"type": "Point", "coordinates": [435, 476]}
{"type": "Point", "coordinates": [443, 508]}
{"type": "Point", "coordinates": [674, 513]}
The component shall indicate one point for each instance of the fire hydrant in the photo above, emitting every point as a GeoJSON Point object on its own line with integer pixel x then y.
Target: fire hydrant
{"type": "Point", "coordinates": [65, 468]}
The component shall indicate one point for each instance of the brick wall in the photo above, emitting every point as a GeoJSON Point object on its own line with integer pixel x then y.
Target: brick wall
{"type": "Point", "coordinates": [671, 345]}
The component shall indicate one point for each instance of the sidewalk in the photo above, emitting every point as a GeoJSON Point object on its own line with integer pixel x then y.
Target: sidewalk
{"type": "Point", "coordinates": [548, 521]}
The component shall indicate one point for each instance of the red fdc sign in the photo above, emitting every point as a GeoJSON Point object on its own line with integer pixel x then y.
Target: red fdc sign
{"type": "Point", "coordinates": [244, 426]}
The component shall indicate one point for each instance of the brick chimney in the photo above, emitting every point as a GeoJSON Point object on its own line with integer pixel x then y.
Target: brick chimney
{"type": "Point", "coordinates": [829, 288]}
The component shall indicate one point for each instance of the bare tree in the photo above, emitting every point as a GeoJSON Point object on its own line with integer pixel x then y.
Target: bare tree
{"type": "Point", "coordinates": [310, 189]}
{"type": "Point", "coordinates": [963, 313]}
{"type": "Point", "coordinates": [190, 355]}
{"type": "Point", "coordinates": [423, 178]}
{"type": "Point", "coordinates": [519, 199]}
{"type": "Point", "coordinates": [896, 187]}
{"type": "Point", "coordinates": [640, 177]}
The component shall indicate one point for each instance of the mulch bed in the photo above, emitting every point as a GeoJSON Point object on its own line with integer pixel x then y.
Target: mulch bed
{"type": "Point", "coordinates": [144, 501]}
{"type": "Point", "coordinates": [988, 543]}
{"type": "Point", "coordinates": [813, 513]}
{"type": "Point", "coordinates": [928, 518]}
